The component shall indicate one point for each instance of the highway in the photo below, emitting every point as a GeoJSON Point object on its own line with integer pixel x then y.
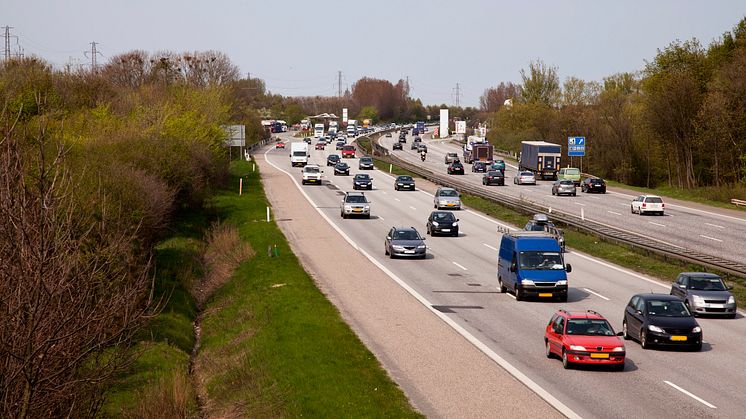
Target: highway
{"type": "Point", "coordinates": [715, 232]}
{"type": "Point", "coordinates": [458, 279]}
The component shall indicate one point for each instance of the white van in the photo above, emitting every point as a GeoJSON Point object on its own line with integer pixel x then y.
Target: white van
{"type": "Point", "coordinates": [298, 154]}
{"type": "Point", "coordinates": [318, 130]}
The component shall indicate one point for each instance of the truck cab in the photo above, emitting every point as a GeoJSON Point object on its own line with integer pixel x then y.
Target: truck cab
{"type": "Point", "coordinates": [298, 154]}
{"type": "Point", "coordinates": [318, 130]}
{"type": "Point", "coordinates": [531, 264]}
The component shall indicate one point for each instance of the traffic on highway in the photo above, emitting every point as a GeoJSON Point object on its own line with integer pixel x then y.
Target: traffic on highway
{"type": "Point", "coordinates": [627, 345]}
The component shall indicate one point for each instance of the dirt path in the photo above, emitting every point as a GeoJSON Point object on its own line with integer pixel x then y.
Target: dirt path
{"type": "Point", "coordinates": [441, 372]}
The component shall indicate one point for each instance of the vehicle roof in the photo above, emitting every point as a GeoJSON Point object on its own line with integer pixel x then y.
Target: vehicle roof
{"type": "Point", "coordinates": [662, 297]}
{"type": "Point", "coordinates": [404, 228]}
{"type": "Point", "coordinates": [489, 172]}
{"type": "Point", "coordinates": [650, 196]}
{"type": "Point", "coordinates": [445, 188]}
{"type": "Point", "coordinates": [701, 274]}
{"type": "Point", "coordinates": [355, 193]}
{"type": "Point", "coordinates": [589, 314]}
{"type": "Point", "coordinates": [312, 166]}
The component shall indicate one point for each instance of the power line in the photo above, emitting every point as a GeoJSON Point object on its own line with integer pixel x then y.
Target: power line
{"type": "Point", "coordinates": [457, 95]}
{"type": "Point", "coordinates": [93, 53]}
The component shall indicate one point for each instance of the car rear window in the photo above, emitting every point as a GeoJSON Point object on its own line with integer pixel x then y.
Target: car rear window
{"type": "Point", "coordinates": [654, 200]}
{"type": "Point", "coordinates": [572, 171]}
{"type": "Point", "coordinates": [495, 174]}
{"type": "Point", "coordinates": [597, 181]}
{"type": "Point", "coordinates": [566, 182]}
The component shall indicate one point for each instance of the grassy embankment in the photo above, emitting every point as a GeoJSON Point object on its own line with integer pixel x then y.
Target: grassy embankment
{"type": "Point", "coordinates": [271, 343]}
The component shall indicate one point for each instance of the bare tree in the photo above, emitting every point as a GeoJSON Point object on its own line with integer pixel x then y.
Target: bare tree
{"type": "Point", "coordinates": [494, 97]}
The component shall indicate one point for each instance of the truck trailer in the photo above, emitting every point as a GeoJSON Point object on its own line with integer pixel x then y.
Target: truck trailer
{"type": "Point", "coordinates": [540, 157]}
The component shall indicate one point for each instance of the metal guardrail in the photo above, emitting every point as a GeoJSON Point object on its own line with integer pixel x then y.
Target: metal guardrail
{"type": "Point", "coordinates": [605, 231]}
{"type": "Point", "coordinates": [738, 202]}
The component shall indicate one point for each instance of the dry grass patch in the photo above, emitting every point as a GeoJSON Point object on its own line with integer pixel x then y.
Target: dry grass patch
{"type": "Point", "coordinates": [170, 397]}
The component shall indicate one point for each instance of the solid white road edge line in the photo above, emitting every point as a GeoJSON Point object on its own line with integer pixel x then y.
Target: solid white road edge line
{"type": "Point", "coordinates": [597, 294]}
{"type": "Point", "coordinates": [704, 402]}
{"type": "Point", "coordinates": [515, 372]}
{"type": "Point", "coordinates": [459, 265]}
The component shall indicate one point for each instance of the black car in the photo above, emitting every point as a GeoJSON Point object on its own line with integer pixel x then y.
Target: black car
{"type": "Point", "coordinates": [333, 159]}
{"type": "Point", "coordinates": [593, 184]}
{"type": "Point", "coordinates": [404, 241]}
{"type": "Point", "coordinates": [307, 140]}
{"type": "Point", "coordinates": [456, 168]}
{"type": "Point", "coordinates": [362, 181]}
{"type": "Point", "coordinates": [493, 177]}
{"type": "Point", "coordinates": [340, 144]}
{"type": "Point", "coordinates": [442, 222]}
{"type": "Point", "coordinates": [397, 146]}
{"type": "Point", "coordinates": [365, 163]}
{"type": "Point", "coordinates": [660, 319]}
{"type": "Point", "coordinates": [404, 182]}
{"type": "Point", "coordinates": [342, 168]}
{"type": "Point", "coordinates": [479, 166]}
{"type": "Point", "coordinates": [414, 145]}
{"type": "Point", "coordinates": [402, 138]}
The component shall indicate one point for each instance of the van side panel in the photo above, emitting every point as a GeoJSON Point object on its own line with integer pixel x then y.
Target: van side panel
{"type": "Point", "coordinates": [504, 259]}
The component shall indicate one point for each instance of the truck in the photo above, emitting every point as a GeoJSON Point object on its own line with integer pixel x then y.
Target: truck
{"type": "Point", "coordinates": [318, 130]}
{"type": "Point", "coordinates": [477, 148]}
{"type": "Point", "coordinates": [333, 128]}
{"type": "Point", "coordinates": [531, 264]}
{"type": "Point", "coordinates": [298, 154]}
{"type": "Point", "coordinates": [420, 126]}
{"type": "Point", "coordinates": [352, 127]}
{"type": "Point", "coordinates": [540, 157]}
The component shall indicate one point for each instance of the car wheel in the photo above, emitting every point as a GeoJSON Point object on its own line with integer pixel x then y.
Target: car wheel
{"type": "Point", "coordinates": [563, 298]}
{"type": "Point", "coordinates": [631, 209]}
{"type": "Point", "coordinates": [686, 303]}
{"type": "Point", "coordinates": [518, 293]}
{"type": "Point", "coordinates": [625, 332]}
{"type": "Point", "coordinates": [552, 192]}
{"type": "Point", "coordinates": [548, 351]}
{"type": "Point", "coordinates": [455, 233]}
{"type": "Point", "coordinates": [367, 216]}
{"type": "Point", "coordinates": [565, 361]}
{"type": "Point", "coordinates": [503, 288]}
{"type": "Point", "coordinates": [574, 194]}
{"type": "Point", "coordinates": [303, 182]}
{"type": "Point", "coordinates": [732, 316]}
{"type": "Point", "coordinates": [644, 340]}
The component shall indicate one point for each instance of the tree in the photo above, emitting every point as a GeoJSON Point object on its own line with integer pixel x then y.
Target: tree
{"type": "Point", "coordinates": [541, 84]}
{"type": "Point", "coordinates": [368, 112]}
{"type": "Point", "coordinates": [494, 97]}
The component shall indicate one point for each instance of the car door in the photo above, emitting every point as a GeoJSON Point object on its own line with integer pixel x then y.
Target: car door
{"type": "Point", "coordinates": [633, 319]}
{"type": "Point", "coordinates": [555, 335]}
{"type": "Point", "coordinates": [678, 288]}
{"type": "Point", "coordinates": [429, 222]}
{"type": "Point", "coordinates": [389, 236]}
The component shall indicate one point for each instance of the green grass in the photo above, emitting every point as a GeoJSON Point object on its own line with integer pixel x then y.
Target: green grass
{"type": "Point", "coordinates": [649, 264]}
{"type": "Point", "coordinates": [284, 350]}
{"type": "Point", "coordinates": [395, 170]}
{"type": "Point", "coordinates": [164, 346]}
{"type": "Point", "coordinates": [713, 196]}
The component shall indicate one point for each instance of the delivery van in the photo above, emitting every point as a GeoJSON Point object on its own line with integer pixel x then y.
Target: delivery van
{"type": "Point", "coordinates": [531, 264]}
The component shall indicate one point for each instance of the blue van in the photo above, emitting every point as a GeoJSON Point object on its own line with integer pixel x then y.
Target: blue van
{"type": "Point", "coordinates": [530, 263]}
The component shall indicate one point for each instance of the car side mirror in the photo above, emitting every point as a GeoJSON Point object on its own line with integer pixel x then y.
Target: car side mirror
{"type": "Point", "coordinates": [729, 287]}
{"type": "Point", "coordinates": [457, 219]}
{"type": "Point", "coordinates": [568, 267]}
{"type": "Point", "coordinates": [512, 268]}
{"type": "Point", "coordinates": [638, 312]}
{"type": "Point", "coordinates": [682, 286]}
{"type": "Point", "coordinates": [620, 334]}
{"type": "Point", "coordinates": [388, 237]}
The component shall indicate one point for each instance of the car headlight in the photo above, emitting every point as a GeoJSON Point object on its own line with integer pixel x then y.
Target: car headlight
{"type": "Point", "coordinates": [455, 224]}
{"type": "Point", "coordinates": [435, 223]}
{"type": "Point", "coordinates": [562, 282]}
{"type": "Point", "coordinates": [527, 282]}
{"type": "Point", "coordinates": [618, 349]}
{"type": "Point", "coordinates": [400, 184]}
{"type": "Point", "coordinates": [697, 329]}
{"type": "Point", "coordinates": [698, 300]}
{"type": "Point", "coordinates": [656, 329]}
{"type": "Point", "coordinates": [348, 208]}
{"type": "Point", "coordinates": [367, 207]}
{"type": "Point", "coordinates": [357, 183]}
{"type": "Point", "coordinates": [731, 300]}
{"type": "Point", "coordinates": [422, 246]}
{"type": "Point", "coordinates": [577, 348]}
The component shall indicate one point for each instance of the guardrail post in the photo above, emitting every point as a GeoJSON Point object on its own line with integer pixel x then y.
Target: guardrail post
{"type": "Point", "coordinates": [267, 214]}
{"type": "Point", "coordinates": [582, 214]}
{"type": "Point", "coordinates": [240, 186]}
{"type": "Point", "coordinates": [390, 167]}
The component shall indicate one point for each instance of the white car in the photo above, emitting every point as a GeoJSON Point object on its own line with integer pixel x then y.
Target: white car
{"type": "Point", "coordinates": [446, 198]}
{"type": "Point", "coordinates": [312, 174]}
{"type": "Point", "coordinates": [524, 178]}
{"type": "Point", "coordinates": [647, 204]}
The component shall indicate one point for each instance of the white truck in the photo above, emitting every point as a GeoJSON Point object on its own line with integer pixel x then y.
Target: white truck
{"type": "Point", "coordinates": [333, 128]}
{"type": "Point", "coordinates": [351, 127]}
{"type": "Point", "coordinates": [298, 154]}
{"type": "Point", "coordinates": [318, 130]}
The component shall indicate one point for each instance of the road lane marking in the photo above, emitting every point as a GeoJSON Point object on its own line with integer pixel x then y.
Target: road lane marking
{"type": "Point", "coordinates": [510, 295]}
{"type": "Point", "coordinates": [460, 266]}
{"type": "Point", "coordinates": [384, 192]}
{"type": "Point", "coordinates": [487, 245]}
{"type": "Point", "coordinates": [656, 224]}
{"type": "Point", "coordinates": [714, 225]}
{"type": "Point", "coordinates": [699, 399]}
{"type": "Point", "coordinates": [397, 199]}
{"type": "Point", "coordinates": [597, 294]}
{"type": "Point", "coordinates": [380, 218]}
{"type": "Point", "coordinates": [710, 238]}
{"type": "Point", "coordinates": [612, 212]}
{"type": "Point", "coordinates": [578, 203]}
{"type": "Point", "coordinates": [413, 208]}
{"type": "Point", "coordinates": [594, 197]}
{"type": "Point", "coordinates": [618, 269]}
{"type": "Point", "coordinates": [507, 366]}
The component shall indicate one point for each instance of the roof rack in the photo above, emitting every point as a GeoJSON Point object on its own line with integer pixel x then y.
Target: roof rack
{"type": "Point", "coordinates": [593, 312]}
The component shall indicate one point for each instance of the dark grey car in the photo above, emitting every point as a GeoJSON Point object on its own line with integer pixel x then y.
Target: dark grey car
{"type": "Point", "coordinates": [406, 242]}
{"type": "Point", "coordinates": [705, 293]}
{"type": "Point", "coordinates": [404, 182]}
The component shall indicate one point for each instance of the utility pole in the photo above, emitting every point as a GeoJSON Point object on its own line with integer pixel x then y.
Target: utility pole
{"type": "Point", "coordinates": [458, 94]}
{"type": "Point", "coordinates": [7, 42]}
{"type": "Point", "coordinates": [93, 53]}
{"type": "Point", "coordinates": [339, 84]}
{"type": "Point", "coordinates": [406, 87]}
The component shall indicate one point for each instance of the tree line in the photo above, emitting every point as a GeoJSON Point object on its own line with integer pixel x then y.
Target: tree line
{"type": "Point", "coordinates": [680, 121]}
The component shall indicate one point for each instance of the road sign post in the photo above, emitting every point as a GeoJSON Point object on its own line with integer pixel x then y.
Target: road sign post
{"type": "Point", "coordinates": [576, 148]}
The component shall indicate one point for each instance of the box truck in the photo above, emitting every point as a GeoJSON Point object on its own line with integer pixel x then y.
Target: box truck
{"type": "Point", "coordinates": [540, 157]}
{"type": "Point", "coordinates": [298, 154]}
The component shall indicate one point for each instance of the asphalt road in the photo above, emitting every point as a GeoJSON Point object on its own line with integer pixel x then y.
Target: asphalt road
{"type": "Point", "coordinates": [716, 232]}
{"type": "Point", "coordinates": [459, 279]}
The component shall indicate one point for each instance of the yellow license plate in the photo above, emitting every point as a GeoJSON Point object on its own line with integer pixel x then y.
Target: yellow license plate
{"type": "Point", "coordinates": [357, 210]}
{"type": "Point", "coordinates": [600, 356]}
{"type": "Point", "coordinates": [679, 338]}
{"type": "Point", "coordinates": [545, 294]}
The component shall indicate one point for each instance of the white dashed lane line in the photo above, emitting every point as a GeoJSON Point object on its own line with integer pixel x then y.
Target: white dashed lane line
{"type": "Point", "coordinates": [699, 399]}
{"type": "Point", "coordinates": [714, 225]}
{"type": "Point", "coordinates": [413, 208]}
{"type": "Point", "coordinates": [597, 294]}
{"type": "Point", "coordinates": [488, 246]}
{"type": "Point", "coordinates": [460, 266]}
{"type": "Point", "coordinates": [578, 203]}
{"type": "Point", "coordinates": [656, 224]}
{"type": "Point", "coordinates": [612, 212]}
{"type": "Point", "coordinates": [710, 238]}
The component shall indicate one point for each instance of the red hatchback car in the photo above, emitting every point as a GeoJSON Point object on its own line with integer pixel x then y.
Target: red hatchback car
{"type": "Point", "coordinates": [280, 145]}
{"type": "Point", "coordinates": [583, 338]}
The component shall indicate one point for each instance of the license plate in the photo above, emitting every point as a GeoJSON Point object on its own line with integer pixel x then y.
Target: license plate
{"type": "Point", "coordinates": [409, 251]}
{"type": "Point", "coordinates": [445, 230]}
{"type": "Point", "coordinates": [714, 305]}
{"type": "Point", "coordinates": [599, 356]}
{"type": "Point", "coordinates": [545, 294]}
{"type": "Point", "coordinates": [450, 205]}
{"type": "Point", "coordinates": [678, 338]}
{"type": "Point", "coordinates": [357, 210]}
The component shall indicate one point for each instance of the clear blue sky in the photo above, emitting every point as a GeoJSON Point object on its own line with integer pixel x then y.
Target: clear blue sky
{"type": "Point", "coordinates": [297, 47]}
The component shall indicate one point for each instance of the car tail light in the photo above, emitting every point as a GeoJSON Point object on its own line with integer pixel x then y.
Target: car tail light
{"type": "Point", "coordinates": [643, 205]}
{"type": "Point", "coordinates": [663, 205]}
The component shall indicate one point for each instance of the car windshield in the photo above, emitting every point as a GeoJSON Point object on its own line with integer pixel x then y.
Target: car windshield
{"type": "Point", "coordinates": [311, 169]}
{"type": "Point", "coordinates": [527, 174]}
{"type": "Point", "coordinates": [356, 199]}
{"type": "Point", "coordinates": [361, 177]}
{"type": "Point", "coordinates": [443, 216]}
{"type": "Point", "coordinates": [653, 200]}
{"type": "Point", "coordinates": [341, 165]}
{"type": "Point", "coordinates": [541, 260]}
{"type": "Point", "coordinates": [404, 178]}
{"type": "Point", "coordinates": [706, 284]}
{"type": "Point", "coordinates": [366, 160]}
{"type": "Point", "coordinates": [589, 327]}
{"type": "Point", "coordinates": [452, 155]}
{"type": "Point", "coordinates": [448, 192]}
{"type": "Point", "coordinates": [333, 157]}
{"type": "Point", "coordinates": [534, 227]}
{"type": "Point", "coordinates": [406, 235]}
{"type": "Point", "coordinates": [667, 308]}
{"type": "Point", "coordinates": [299, 153]}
